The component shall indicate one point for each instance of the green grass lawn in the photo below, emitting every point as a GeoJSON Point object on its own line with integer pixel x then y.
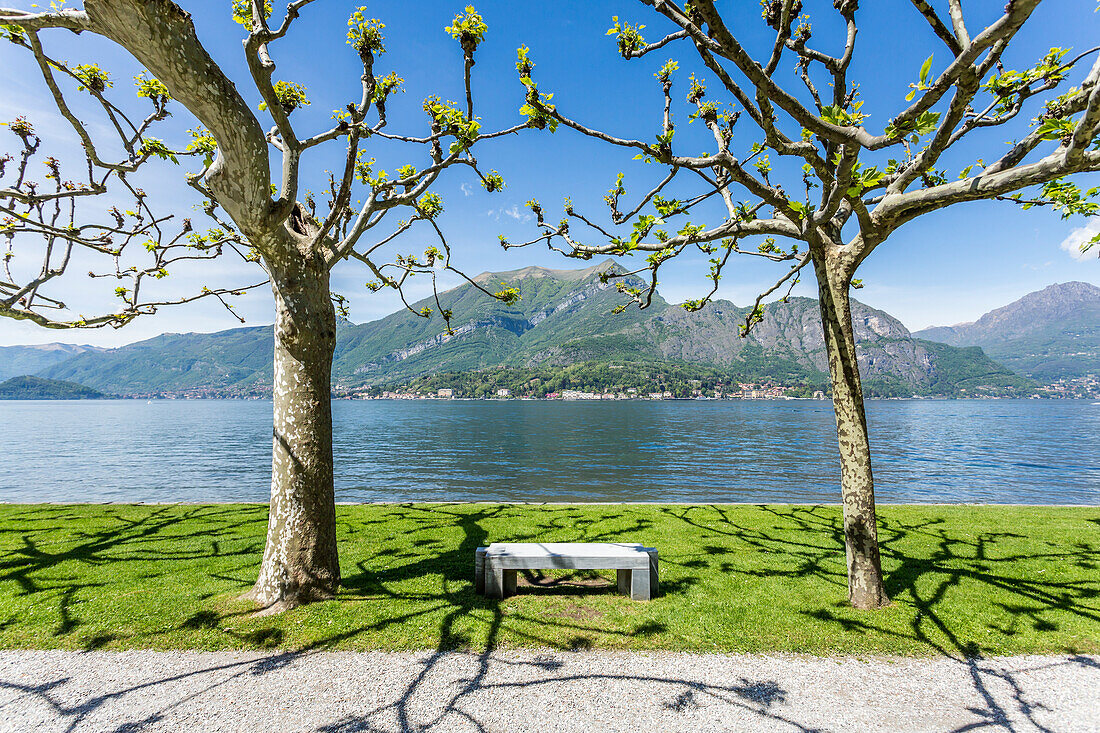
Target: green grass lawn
{"type": "Point", "coordinates": [964, 580]}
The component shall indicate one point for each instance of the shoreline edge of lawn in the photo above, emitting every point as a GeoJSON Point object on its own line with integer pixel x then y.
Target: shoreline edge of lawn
{"type": "Point", "coordinates": [407, 502]}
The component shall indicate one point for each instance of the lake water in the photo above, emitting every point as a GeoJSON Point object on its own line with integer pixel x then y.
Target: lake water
{"type": "Point", "coordinates": [1007, 451]}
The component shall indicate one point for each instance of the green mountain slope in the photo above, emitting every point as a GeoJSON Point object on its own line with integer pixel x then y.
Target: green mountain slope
{"type": "Point", "coordinates": [568, 320]}
{"type": "Point", "coordinates": [37, 388]}
{"type": "Point", "coordinates": [172, 362]}
{"type": "Point", "coordinates": [559, 316]}
{"type": "Point", "coordinates": [1049, 334]}
{"type": "Point", "coordinates": [564, 317]}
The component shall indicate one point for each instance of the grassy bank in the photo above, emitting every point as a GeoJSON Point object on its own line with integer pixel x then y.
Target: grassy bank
{"type": "Point", "coordinates": [965, 580]}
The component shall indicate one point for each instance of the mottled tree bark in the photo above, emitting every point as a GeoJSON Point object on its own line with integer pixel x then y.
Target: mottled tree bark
{"type": "Point", "coordinates": [865, 586]}
{"type": "Point", "coordinates": [300, 562]}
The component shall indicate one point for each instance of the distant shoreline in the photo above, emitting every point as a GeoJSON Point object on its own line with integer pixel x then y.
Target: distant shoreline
{"type": "Point", "coordinates": [940, 398]}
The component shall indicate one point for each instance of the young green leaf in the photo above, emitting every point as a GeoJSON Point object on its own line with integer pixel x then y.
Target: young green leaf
{"type": "Point", "coordinates": [925, 69]}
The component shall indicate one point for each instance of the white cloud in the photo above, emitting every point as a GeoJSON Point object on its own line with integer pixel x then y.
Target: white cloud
{"type": "Point", "coordinates": [467, 189]}
{"type": "Point", "coordinates": [1078, 237]}
{"type": "Point", "coordinates": [515, 212]}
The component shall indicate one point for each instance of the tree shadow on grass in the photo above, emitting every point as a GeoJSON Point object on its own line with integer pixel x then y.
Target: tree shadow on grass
{"type": "Point", "coordinates": [453, 562]}
{"type": "Point", "coordinates": [64, 557]}
{"type": "Point", "coordinates": [807, 543]}
{"type": "Point", "coordinates": [52, 561]}
{"type": "Point", "coordinates": [796, 543]}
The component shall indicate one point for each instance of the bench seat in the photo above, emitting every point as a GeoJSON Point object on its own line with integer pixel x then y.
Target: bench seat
{"type": "Point", "coordinates": [496, 566]}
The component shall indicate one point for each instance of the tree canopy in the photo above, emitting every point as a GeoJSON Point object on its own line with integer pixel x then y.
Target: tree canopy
{"type": "Point", "coordinates": [57, 210]}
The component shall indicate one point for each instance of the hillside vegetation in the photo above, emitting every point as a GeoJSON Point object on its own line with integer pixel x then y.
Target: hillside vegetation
{"type": "Point", "coordinates": [36, 388]}
{"type": "Point", "coordinates": [563, 319]}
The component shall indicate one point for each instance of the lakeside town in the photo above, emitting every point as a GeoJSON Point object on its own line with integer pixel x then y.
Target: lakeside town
{"type": "Point", "coordinates": [746, 391]}
{"type": "Point", "coordinates": [1087, 387]}
{"type": "Point", "coordinates": [1080, 388]}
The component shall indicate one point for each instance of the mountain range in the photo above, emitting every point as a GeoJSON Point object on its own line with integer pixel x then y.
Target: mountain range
{"type": "Point", "coordinates": [16, 361]}
{"type": "Point", "coordinates": [563, 317]}
{"type": "Point", "coordinates": [1050, 334]}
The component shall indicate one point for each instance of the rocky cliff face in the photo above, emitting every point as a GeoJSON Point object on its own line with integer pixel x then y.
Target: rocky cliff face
{"type": "Point", "coordinates": [791, 331]}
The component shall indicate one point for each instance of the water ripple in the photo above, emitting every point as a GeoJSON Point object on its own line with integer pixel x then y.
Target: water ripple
{"type": "Point", "coordinates": [1034, 452]}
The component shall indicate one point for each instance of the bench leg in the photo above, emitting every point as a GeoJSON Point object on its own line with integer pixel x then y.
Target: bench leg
{"type": "Point", "coordinates": [494, 580]}
{"type": "Point", "coordinates": [511, 582]}
{"type": "Point", "coordinates": [639, 584]}
{"type": "Point", "coordinates": [499, 583]}
{"type": "Point", "coordinates": [622, 578]}
{"type": "Point", "coordinates": [479, 571]}
{"type": "Point", "coordinates": [654, 574]}
{"type": "Point", "coordinates": [644, 582]}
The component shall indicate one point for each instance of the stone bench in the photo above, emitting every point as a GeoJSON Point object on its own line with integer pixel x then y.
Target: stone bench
{"type": "Point", "coordinates": [496, 566]}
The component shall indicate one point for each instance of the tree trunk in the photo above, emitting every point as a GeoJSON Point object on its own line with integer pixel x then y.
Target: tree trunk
{"type": "Point", "coordinates": [865, 586]}
{"type": "Point", "coordinates": [300, 562]}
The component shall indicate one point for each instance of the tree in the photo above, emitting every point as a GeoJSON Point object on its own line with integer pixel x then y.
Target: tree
{"type": "Point", "coordinates": [294, 240]}
{"type": "Point", "coordinates": [870, 182]}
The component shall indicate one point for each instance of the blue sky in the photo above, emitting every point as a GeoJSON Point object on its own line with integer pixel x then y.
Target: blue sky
{"type": "Point", "coordinates": [946, 268]}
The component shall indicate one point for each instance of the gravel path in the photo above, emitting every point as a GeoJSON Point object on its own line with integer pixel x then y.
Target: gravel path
{"type": "Point", "coordinates": [540, 691]}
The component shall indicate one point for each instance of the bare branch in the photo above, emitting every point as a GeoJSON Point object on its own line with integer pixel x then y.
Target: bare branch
{"type": "Point", "coordinates": [938, 27]}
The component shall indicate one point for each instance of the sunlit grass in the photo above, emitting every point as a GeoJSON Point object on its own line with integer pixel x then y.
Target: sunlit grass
{"type": "Point", "coordinates": [965, 580]}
